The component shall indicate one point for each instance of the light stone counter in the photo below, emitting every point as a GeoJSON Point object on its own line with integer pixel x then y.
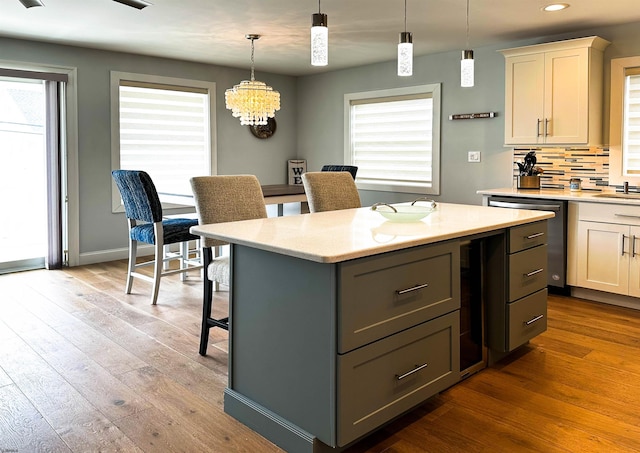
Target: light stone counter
{"type": "Point", "coordinates": [607, 196]}
{"type": "Point", "coordinates": [336, 236]}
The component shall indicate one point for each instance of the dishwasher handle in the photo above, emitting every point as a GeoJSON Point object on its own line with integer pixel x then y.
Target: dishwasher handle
{"type": "Point", "coordinates": [535, 207]}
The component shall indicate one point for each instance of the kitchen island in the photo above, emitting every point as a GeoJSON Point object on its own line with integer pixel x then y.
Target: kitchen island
{"type": "Point", "coordinates": [341, 321]}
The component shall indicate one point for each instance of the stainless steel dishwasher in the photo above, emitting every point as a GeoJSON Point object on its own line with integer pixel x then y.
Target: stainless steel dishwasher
{"type": "Point", "coordinates": [556, 229]}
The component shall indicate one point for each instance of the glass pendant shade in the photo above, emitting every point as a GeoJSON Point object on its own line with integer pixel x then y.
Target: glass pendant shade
{"type": "Point", "coordinates": [405, 54]}
{"type": "Point", "coordinates": [319, 40]}
{"type": "Point", "coordinates": [252, 101]}
{"type": "Point", "coordinates": [467, 69]}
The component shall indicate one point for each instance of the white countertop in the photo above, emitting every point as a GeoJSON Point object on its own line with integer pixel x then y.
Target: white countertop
{"type": "Point", "coordinates": [569, 195]}
{"type": "Point", "coordinates": [335, 236]}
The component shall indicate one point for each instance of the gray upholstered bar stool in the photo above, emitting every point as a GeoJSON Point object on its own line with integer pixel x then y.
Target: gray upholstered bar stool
{"type": "Point", "coordinates": [330, 191]}
{"type": "Point", "coordinates": [222, 199]}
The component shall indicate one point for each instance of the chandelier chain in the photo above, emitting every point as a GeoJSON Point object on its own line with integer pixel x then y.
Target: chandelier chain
{"type": "Point", "coordinates": [252, 68]}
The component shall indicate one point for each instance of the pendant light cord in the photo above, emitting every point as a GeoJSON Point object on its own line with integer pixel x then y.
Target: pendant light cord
{"type": "Point", "coordinates": [405, 16]}
{"type": "Point", "coordinates": [319, 9]}
{"type": "Point", "coordinates": [467, 23]}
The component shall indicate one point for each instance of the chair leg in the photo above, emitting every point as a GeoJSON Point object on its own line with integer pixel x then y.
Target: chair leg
{"type": "Point", "coordinates": [184, 255]}
{"type": "Point", "coordinates": [157, 266]}
{"type": "Point", "coordinates": [207, 300]}
{"type": "Point", "coordinates": [133, 251]}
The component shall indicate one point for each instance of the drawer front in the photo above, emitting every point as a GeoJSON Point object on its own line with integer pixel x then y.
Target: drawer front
{"type": "Point", "coordinates": [384, 294]}
{"type": "Point", "coordinates": [527, 318]}
{"type": "Point", "coordinates": [527, 272]}
{"type": "Point", "coordinates": [527, 236]}
{"type": "Point", "coordinates": [382, 380]}
{"type": "Point", "coordinates": [609, 213]}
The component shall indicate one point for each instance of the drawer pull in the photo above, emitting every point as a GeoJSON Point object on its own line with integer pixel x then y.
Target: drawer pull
{"type": "Point", "coordinates": [533, 236]}
{"type": "Point", "coordinates": [532, 273]}
{"type": "Point", "coordinates": [409, 373]}
{"type": "Point", "coordinates": [628, 215]}
{"type": "Point", "coordinates": [531, 321]}
{"type": "Point", "coordinates": [414, 288]}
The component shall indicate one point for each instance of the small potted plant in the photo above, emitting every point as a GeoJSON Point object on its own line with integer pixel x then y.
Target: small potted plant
{"type": "Point", "coordinates": [529, 175]}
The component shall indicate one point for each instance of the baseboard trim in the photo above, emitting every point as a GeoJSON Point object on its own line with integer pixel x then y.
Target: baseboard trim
{"type": "Point", "coordinates": [607, 298]}
{"type": "Point", "coordinates": [102, 256]}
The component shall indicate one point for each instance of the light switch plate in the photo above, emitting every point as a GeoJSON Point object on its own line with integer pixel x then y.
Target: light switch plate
{"type": "Point", "coordinates": [474, 156]}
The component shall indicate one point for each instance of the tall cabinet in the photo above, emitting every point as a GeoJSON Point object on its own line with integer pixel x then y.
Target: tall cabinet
{"type": "Point", "coordinates": [554, 92]}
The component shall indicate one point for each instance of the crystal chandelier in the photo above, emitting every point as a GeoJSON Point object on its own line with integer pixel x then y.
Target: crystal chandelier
{"type": "Point", "coordinates": [405, 49]}
{"type": "Point", "coordinates": [252, 101]}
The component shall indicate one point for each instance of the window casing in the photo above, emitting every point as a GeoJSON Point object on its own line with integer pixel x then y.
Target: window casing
{"type": "Point", "coordinates": [624, 131]}
{"type": "Point", "coordinates": [165, 127]}
{"type": "Point", "coordinates": [393, 137]}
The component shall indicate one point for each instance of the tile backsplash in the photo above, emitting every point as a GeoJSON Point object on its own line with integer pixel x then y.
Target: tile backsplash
{"type": "Point", "coordinates": [559, 165]}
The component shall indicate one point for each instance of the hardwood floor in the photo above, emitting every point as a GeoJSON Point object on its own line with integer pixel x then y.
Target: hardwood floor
{"type": "Point", "coordinates": [86, 368]}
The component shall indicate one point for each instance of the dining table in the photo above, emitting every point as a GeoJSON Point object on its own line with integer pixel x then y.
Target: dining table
{"type": "Point", "coordinates": [278, 194]}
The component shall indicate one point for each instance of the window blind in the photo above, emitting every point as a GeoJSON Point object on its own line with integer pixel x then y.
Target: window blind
{"type": "Point", "coordinates": [391, 140]}
{"type": "Point", "coordinates": [164, 131]}
{"type": "Point", "coordinates": [631, 124]}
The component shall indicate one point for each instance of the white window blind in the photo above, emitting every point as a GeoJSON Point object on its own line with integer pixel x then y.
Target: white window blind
{"type": "Point", "coordinates": [392, 140]}
{"type": "Point", "coordinates": [393, 137]}
{"type": "Point", "coordinates": [631, 124]}
{"type": "Point", "coordinates": [164, 130]}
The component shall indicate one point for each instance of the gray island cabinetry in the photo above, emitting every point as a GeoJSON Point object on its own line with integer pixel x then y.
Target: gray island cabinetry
{"type": "Point", "coordinates": [342, 321]}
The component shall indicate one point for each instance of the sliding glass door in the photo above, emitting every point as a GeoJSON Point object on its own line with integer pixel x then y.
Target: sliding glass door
{"type": "Point", "coordinates": [23, 188]}
{"type": "Point", "coordinates": [31, 166]}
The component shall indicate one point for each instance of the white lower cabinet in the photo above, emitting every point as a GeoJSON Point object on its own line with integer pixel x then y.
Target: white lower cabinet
{"type": "Point", "coordinates": [608, 248]}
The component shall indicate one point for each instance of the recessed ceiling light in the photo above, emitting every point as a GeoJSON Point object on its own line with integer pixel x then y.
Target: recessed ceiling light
{"type": "Point", "coordinates": [556, 7]}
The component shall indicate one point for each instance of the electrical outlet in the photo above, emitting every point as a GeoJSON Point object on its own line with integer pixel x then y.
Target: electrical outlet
{"type": "Point", "coordinates": [474, 156]}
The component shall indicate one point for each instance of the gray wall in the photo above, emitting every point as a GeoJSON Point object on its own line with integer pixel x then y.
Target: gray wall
{"type": "Point", "coordinates": [310, 123]}
{"type": "Point", "coordinates": [238, 151]}
{"type": "Point", "coordinates": [321, 122]}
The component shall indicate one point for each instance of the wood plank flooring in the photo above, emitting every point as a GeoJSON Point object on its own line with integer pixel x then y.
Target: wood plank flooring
{"type": "Point", "coordinates": [86, 368]}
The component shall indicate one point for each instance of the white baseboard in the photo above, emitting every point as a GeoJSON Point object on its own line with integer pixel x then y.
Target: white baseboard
{"type": "Point", "coordinates": [103, 256]}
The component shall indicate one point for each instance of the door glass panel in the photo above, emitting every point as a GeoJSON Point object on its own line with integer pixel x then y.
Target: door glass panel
{"type": "Point", "coordinates": [23, 230]}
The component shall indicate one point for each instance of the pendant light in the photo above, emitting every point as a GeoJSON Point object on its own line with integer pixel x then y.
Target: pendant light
{"type": "Point", "coordinates": [319, 39]}
{"type": "Point", "coordinates": [405, 49]}
{"type": "Point", "coordinates": [252, 101]}
{"type": "Point", "coordinates": [466, 64]}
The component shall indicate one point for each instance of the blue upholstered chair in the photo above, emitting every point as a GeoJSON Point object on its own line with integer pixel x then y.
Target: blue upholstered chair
{"type": "Point", "coordinates": [144, 212]}
{"type": "Point", "coordinates": [350, 168]}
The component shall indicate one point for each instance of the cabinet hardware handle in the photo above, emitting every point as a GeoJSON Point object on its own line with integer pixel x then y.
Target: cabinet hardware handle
{"type": "Point", "coordinates": [538, 127]}
{"type": "Point", "coordinates": [532, 273]}
{"type": "Point", "coordinates": [533, 236]}
{"type": "Point", "coordinates": [409, 373]}
{"type": "Point", "coordinates": [546, 127]}
{"type": "Point", "coordinates": [628, 215]}
{"type": "Point", "coordinates": [633, 246]}
{"type": "Point", "coordinates": [623, 252]}
{"type": "Point", "coordinates": [414, 288]}
{"type": "Point", "coordinates": [531, 321]}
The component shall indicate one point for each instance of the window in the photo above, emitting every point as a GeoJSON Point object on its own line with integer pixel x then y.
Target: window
{"type": "Point", "coordinates": [631, 123]}
{"type": "Point", "coordinates": [624, 132]}
{"type": "Point", "coordinates": [393, 137]}
{"type": "Point", "coordinates": [165, 127]}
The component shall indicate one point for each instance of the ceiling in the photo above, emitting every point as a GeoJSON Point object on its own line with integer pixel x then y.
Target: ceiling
{"type": "Point", "coordinates": [360, 31]}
